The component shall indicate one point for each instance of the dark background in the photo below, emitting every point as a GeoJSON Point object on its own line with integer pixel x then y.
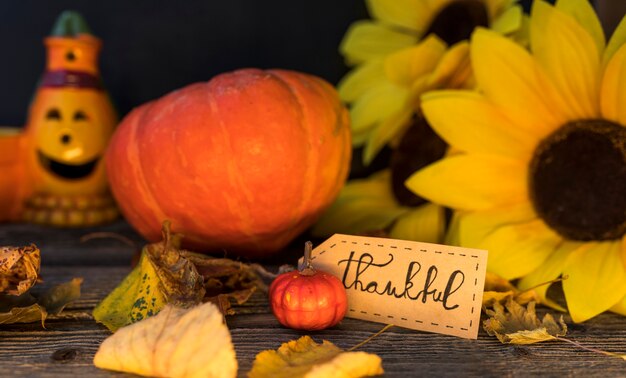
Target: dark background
{"type": "Point", "coordinates": [154, 47]}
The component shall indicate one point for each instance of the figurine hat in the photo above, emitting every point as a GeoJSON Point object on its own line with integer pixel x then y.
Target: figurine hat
{"type": "Point", "coordinates": [72, 54]}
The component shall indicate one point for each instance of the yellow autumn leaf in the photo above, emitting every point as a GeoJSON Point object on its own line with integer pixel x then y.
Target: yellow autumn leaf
{"type": "Point", "coordinates": [175, 343]}
{"type": "Point", "coordinates": [306, 358]}
{"type": "Point", "coordinates": [516, 324]}
{"type": "Point", "coordinates": [499, 290]}
{"type": "Point", "coordinates": [162, 276]}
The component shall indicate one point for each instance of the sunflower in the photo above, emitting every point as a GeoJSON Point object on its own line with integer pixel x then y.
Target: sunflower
{"type": "Point", "coordinates": [541, 180]}
{"type": "Point", "coordinates": [398, 24]}
{"type": "Point", "coordinates": [398, 57]}
{"type": "Point", "coordinates": [411, 47]}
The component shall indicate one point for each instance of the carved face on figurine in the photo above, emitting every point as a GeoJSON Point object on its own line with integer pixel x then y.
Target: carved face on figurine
{"type": "Point", "coordinates": [70, 121]}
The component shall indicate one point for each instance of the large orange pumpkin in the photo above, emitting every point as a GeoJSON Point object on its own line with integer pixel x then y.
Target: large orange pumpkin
{"type": "Point", "coordinates": [243, 163]}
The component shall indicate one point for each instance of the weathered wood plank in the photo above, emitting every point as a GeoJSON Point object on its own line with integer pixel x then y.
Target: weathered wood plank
{"type": "Point", "coordinates": [63, 246]}
{"type": "Point", "coordinates": [75, 343]}
{"type": "Point", "coordinates": [68, 344]}
{"type": "Point", "coordinates": [67, 348]}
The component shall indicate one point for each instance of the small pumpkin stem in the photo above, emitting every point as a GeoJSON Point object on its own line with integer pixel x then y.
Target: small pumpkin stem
{"type": "Point", "coordinates": [307, 266]}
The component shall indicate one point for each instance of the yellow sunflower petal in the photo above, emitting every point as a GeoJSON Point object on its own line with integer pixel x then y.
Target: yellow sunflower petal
{"type": "Point", "coordinates": [376, 105]}
{"type": "Point", "coordinates": [585, 15]}
{"type": "Point", "coordinates": [474, 227]}
{"type": "Point", "coordinates": [434, 6]}
{"type": "Point", "coordinates": [356, 216]}
{"type": "Point", "coordinates": [359, 138]}
{"type": "Point", "coordinates": [453, 235]}
{"type": "Point", "coordinates": [361, 79]}
{"type": "Point", "coordinates": [518, 249]}
{"type": "Point", "coordinates": [511, 79]}
{"type": "Point", "coordinates": [569, 54]}
{"type": "Point", "coordinates": [509, 21]}
{"type": "Point", "coordinates": [405, 66]}
{"type": "Point", "coordinates": [411, 14]}
{"type": "Point", "coordinates": [522, 35]}
{"type": "Point", "coordinates": [363, 205]}
{"type": "Point", "coordinates": [597, 280]}
{"type": "Point", "coordinates": [425, 223]}
{"type": "Point", "coordinates": [377, 188]}
{"type": "Point", "coordinates": [385, 132]}
{"type": "Point", "coordinates": [472, 182]}
{"type": "Point", "coordinates": [549, 270]}
{"type": "Point", "coordinates": [468, 121]}
{"type": "Point", "coordinates": [496, 7]}
{"type": "Point", "coordinates": [367, 40]}
{"type": "Point", "coordinates": [620, 307]}
{"type": "Point", "coordinates": [613, 95]}
{"type": "Point", "coordinates": [618, 39]}
{"type": "Point", "coordinates": [624, 251]}
{"type": "Point", "coordinates": [454, 69]}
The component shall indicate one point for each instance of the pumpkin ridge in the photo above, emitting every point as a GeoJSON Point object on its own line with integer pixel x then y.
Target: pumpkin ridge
{"type": "Point", "coordinates": [324, 92]}
{"type": "Point", "coordinates": [297, 218]}
{"type": "Point", "coordinates": [135, 161]}
{"type": "Point", "coordinates": [182, 157]}
{"type": "Point", "coordinates": [234, 173]}
{"type": "Point", "coordinates": [341, 130]}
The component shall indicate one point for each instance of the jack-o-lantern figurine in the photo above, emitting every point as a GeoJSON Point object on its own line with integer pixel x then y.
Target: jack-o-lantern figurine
{"type": "Point", "coordinates": [69, 125]}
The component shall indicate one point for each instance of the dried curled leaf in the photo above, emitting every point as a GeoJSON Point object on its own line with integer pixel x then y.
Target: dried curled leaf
{"type": "Point", "coordinates": [225, 279]}
{"type": "Point", "coordinates": [175, 343]}
{"type": "Point", "coordinates": [166, 274]}
{"type": "Point", "coordinates": [499, 290]}
{"type": "Point", "coordinates": [306, 358]}
{"type": "Point", "coordinates": [26, 308]}
{"type": "Point", "coordinates": [19, 269]}
{"type": "Point", "coordinates": [162, 276]}
{"type": "Point", "coordinates": [515, 324]}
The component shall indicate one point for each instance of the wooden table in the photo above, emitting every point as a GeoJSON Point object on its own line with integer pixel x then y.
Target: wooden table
{"type": "Point", "coordinates": [67, 346]}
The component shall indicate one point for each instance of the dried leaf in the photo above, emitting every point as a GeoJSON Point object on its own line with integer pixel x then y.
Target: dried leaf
{"type": "Point", "coordinates": [55, 299]}
{"type": "Point", "coordinates": [515, 324]}
{"type": "Point", "coordinates": [19, 269]}
{"type": "Point", "coordinates": [497, 289]}
{"type": "Point", "coordinates": [167, 274]}
{"type": "Point", "coordinates": [175, 343]}
{"type": "Point", "coordinates": [162, 276]}
{"type": "Point", "coordinates": [20, 309]}
{"type": "Point", "coordinates": [225, 279]}
{"type": "Point", "coordinates": [27, 309]}
{"type": "Point", "coordinates": [306, 358]}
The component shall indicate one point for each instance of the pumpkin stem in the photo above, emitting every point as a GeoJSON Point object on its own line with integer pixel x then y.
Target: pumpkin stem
{"type": "Point", "coordinates": [308, 267]}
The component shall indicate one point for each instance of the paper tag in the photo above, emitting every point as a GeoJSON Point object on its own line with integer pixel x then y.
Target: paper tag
{"type": "Point", "coordinates": [428, 287]}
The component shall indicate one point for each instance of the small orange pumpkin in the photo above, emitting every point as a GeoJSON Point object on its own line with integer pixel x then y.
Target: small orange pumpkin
{"type": "Point", "coordinates": [308, 299]}
{"type": "Point", "coordinates": [242, 163]}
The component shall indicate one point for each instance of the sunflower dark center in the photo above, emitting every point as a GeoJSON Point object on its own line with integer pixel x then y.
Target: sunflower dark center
{"type": "Point", "coordinates": [418, 147]}
{"type": "Point", "coordinates": [578, 180]}
{"type": "Point", "coordinates": [456, 21]}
